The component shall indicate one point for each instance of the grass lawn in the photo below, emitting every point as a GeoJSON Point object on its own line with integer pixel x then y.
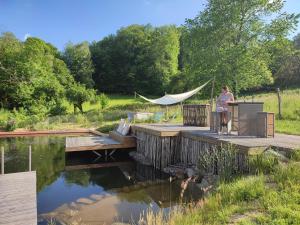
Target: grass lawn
{"type": "Point", "coordinates": [269, 198]}
{"type": "Point", "coordinates": [290, 122]}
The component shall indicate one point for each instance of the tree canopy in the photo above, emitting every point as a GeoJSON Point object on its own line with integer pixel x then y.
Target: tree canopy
{"type": "Point", "coordinates": [231, 40]}
{"type": "Point", "coordinates": [78, 59]}
{"type": "Point", "coordinates": [33, 76]}
{"type": "Point", "coordinates": [138, 58]}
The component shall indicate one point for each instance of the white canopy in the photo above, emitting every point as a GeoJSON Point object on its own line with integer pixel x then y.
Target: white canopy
{"type": "Point", "coordinates": [173, 99]}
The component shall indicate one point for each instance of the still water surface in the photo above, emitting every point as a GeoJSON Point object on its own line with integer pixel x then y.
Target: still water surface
{"type": "Point", "coordinates": [70, 191]}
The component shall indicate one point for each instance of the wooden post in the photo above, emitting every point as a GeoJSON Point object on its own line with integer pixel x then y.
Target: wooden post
{"type": "Point", "coordinates": [167, 112]}
{"type": "Point", "coordinates": [134, 94]}
{"type": "Point", "coordinates": [212, 94]}
{"type": "Point", "coordinates": [181, 107]}
{"type": "Point", "coordinates": [252, 98]}
{"type": "Point", "coordinates": [279, 103]}
{"type": "Point", "coordinates": [29, 157]}
{"type": "Point", "coordinates": [2, 160]}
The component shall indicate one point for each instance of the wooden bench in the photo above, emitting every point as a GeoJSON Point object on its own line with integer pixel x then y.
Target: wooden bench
{"type": "Point", "coordinates": [126, 140]}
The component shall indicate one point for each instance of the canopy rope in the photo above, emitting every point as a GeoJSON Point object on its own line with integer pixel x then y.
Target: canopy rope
{"type": "Point", "coordinates": [176, 98]}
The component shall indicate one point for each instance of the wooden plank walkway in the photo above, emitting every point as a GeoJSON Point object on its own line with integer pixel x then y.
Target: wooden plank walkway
{"type": "Point", "coordinates": [18, 199]}
{"type": "Point", "coordinates": [91, 143]}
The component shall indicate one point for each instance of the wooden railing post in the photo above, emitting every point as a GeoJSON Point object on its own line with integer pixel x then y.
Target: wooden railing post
{"type": "Point", "coordinates": [29, 157]}
{"type": "Point", "coordinates": [2, 160]}
{"type": "Point", "coordinates": [279, 103]}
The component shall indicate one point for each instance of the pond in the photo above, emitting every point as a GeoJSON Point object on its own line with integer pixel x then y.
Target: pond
{"type": "Point", "coordinates": [81, 188]}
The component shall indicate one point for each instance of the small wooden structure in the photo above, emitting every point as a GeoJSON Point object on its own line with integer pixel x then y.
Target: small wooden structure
{"type": "Point", "coordinates": [196, 115]}
{"type": "Point", "coordinates": [92, 143]}
{"type": "Point", "coordinates": [18, 199]}
{"type": "Point", "coordinates": [265, 124]}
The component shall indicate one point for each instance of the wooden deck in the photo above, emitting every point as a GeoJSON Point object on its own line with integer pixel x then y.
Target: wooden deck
{"type": "Point", "coordinates": [92, 143]}
{"type": "Point", "coordinates": [248, 143]}
{"type": "Point", "coordinates": [18, 199]}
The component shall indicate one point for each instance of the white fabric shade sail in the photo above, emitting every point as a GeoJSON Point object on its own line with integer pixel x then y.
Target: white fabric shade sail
{"type": "Point", "coordinates": [176, 98]}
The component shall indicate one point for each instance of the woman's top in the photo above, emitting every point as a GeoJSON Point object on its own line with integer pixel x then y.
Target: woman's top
{"type": "Point", "coordinates": [222, 101]}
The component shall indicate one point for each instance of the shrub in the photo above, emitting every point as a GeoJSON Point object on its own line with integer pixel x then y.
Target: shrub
{"type": "Point", "coordinates": [94, 116]}
{"type": "Point", "coordinates": [104, 101]}
{"type": "Point", "coordinates": [58, 110]}
{"type": "Point", "coordinates": [263, 163]}
{"type": "Point", "coordinates": [11, 125]}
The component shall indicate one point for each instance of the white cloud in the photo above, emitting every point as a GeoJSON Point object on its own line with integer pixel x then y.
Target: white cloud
{"type": "Point", "coordinates": [26, 36]}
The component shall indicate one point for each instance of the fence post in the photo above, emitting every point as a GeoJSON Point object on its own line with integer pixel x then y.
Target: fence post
{"type": "Point", "coordinates": [2, 160]}
{"type": "Point", "coordinates": [29, 157]}
{"type": "Point", "coordinates": [279, 103]}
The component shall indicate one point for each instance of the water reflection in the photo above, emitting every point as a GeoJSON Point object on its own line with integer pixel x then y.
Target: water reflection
{"type": "Point", "coordinates": [76, 188]}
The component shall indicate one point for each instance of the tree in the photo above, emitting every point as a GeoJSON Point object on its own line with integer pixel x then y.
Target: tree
{"type": "Point", "coordinates": [78, 59]}
{"type": "Point", "coordinates": [288, 73]}
{"type": "Point", "coordinates": [78, 94]}
{"type": "Point", "coordinates": [297, 41]}
{"type": "Point", "coordinates": [32, 76]}
{"type": "Point", "coordinates": [138, 58]}
{"type": "Point", "coordinates": [228, 40]}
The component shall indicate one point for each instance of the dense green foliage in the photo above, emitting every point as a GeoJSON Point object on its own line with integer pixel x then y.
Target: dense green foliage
{"type": "Point", "coordinates": [34, 80]}
{"type": "Point", "coordinates": [232, 41]}
{"type": "Point", "coordinates": [138, 58]}
{"type": "Point", "coordinates": [78, 59]}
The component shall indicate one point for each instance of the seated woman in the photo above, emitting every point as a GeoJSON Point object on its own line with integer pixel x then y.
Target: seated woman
{"type": "Point", "coordinates": [222, 105]}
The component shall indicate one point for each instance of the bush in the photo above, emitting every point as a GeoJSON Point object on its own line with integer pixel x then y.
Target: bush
{"type": "Point", "coordinates": [94, 116]}
{"type": "Point", "coordinates": [104, 101]}
{"type": "Point", "coordinates": [58, 110]}
{"type": "Point", "coordinates": [263, 163]}
{"type": "Point", "coordinates": [11, 125]}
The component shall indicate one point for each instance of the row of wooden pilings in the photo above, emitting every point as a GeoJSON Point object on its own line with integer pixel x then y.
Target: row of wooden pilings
{"type": "Point", "coordinates": [208, 155]}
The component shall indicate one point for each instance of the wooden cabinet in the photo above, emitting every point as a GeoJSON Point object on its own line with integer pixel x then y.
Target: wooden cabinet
{"type": "Point", "coordinates": [247, 118]}
{"type": "Point", "coordinates": [265, 124]}
{"type": "Point", "coordinates": [196, 115]}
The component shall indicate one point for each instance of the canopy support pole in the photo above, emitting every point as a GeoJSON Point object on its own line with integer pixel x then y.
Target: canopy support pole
{"type": "Point", "coordinates": [212, 94]}
{"type": "Point", "coordinates": [167, 111]}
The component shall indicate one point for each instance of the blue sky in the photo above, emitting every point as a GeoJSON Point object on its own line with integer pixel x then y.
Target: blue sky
{"type": "Point", "coordinates": [60, 21]}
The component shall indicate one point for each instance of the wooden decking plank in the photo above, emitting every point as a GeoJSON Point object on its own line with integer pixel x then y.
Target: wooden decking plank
{"type": "Point", "coordinates": [94, 143]}
{"type": "Point", "coordinates": [18, 199]}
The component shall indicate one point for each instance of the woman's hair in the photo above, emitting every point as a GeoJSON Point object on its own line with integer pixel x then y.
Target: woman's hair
{"type": "Point", "coordinates": [225, 87]}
